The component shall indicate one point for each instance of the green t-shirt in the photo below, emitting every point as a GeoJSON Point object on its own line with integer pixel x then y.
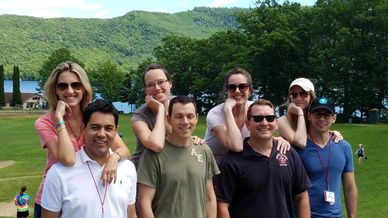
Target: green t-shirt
{"type": "Point", "coordinates": [179, 176]}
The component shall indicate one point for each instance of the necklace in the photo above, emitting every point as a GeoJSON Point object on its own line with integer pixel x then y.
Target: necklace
{"type": "Point", "coordinates": [74, 133]}
{"type": "Point", "coordinates": [102, 200]}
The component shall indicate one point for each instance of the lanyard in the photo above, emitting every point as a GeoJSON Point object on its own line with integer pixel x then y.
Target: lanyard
{"type": "Point", "coordinates": [102, 200]}
{"type": "Point", "coordinates": [327, 174]}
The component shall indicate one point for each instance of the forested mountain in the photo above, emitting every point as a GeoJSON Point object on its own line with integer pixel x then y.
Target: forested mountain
{"type": "Point", "coordinates": [126, 40]}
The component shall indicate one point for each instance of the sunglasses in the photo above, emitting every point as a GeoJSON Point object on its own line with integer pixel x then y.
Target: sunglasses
{"type": "Point", "coordinates": [74, 85]}
{"type": "Point", "coordinates": [259, 118]}
{"type": "Point", "coordinates": [242, 87]}
{"type": "Point", "coordinates": [318, 115]}
{"type": "Point", "coordinates": [302, 94]}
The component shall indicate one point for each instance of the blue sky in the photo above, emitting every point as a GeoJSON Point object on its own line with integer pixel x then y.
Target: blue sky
{"type": "Point", "coordinates": [113, 8]}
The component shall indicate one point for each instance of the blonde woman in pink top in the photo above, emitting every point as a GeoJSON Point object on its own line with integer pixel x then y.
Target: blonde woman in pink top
{"type": "Point", "coordinates": [61, 130]}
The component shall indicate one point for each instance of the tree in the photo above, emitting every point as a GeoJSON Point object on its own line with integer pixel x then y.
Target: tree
{"type": "Point", "coordinates": [2, 95]}
{"type": "Point", "coordinates": [198, 67]}
{"type": "Point", "coordinates": [16, 96]}
{"type": "Point", "coordinates": [107, 80]}
{"type": "Point", "coordinates": [57, 57]}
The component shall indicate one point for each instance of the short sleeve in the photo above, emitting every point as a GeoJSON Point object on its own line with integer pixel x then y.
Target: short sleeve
{"type": "Point", "coordinates": [148, 169]}
{"type": "Point", "coordinates": [52, 194]}
{"type": "Point", "coordinates": [349, 165]}
{"type": "Point", "coordinates": [45, 128]}
{"type": "Point", "coordinates": [215, 117]}
{"type": "Point", "coordinates": [133, 178]}
{"type": "Point", "coordinates": [301, 181]}
{"type": "Point", "coordinates": [212, 168]}
{"type": "Point", "coordinates": [225, 183]}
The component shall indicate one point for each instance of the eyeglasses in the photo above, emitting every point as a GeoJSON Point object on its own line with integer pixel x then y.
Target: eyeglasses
{"type": "Point", "coordinates": [74, 85]}
{"type": "Point", "coordinates": [242, 87]}
{"type": "Point", "coordinates": [160, 83]}
{"type": "Point", "coordinates": [259, 118]}
{"type": "Point", "coordinates": [327, 116]}
{"type": "Point", "coordinates": [302, 94]}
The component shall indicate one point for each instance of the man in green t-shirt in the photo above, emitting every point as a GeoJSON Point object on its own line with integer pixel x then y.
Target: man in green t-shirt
{"type": "Point", "coordinates": [177, 182]}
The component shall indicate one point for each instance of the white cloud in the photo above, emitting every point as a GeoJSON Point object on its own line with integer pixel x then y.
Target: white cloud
{"type": "Point", "coordinates": [161, 10]}
{"type": "Point", "coordinates": [45, 8]}
{"type": "Point", "coordinates": [221, 3]}
{"type": "Point", "coordinates": [45, 14]}
{"type": "Point", "coordinates": [184, 3]}
{"type": "Point", "coordinates": [102, 14]}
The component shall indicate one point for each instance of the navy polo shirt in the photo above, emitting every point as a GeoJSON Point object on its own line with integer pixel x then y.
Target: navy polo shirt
{"type": "Point", "coordinates": [258, 186]}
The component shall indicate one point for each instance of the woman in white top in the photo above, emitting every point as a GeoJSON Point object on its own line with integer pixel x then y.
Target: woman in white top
{"type": "Point", "coordinates": [226, 127]}
{"type": "Point", "coordinates": [293, 125]}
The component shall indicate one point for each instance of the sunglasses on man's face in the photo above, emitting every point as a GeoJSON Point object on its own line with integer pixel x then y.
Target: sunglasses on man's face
{"type": "Point", "coordinates": [268, 118]}
{"type": "Point", "coordinates": [74, 85]}
{"type": "Point", "coordinates": [242, 87]}
{"type": "Point", "coordinates": [302, 94]}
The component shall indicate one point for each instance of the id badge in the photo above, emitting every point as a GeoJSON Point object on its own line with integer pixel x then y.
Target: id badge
{"type": "Point", "coordinates": [329, 197]}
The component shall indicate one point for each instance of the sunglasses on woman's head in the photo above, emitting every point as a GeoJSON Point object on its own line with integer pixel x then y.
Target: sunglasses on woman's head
{"type": "Point", "coordinates": [74, 85]}
{"type": "Point", "coordinates": [259, 118]}
{"type": "Point", "coordinates": [242, 87]}
{"type": "Point", "coordinates": [302, 94]}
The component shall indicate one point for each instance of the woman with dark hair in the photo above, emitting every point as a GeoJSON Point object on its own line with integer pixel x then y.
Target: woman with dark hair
{"type": "Point", "coordinates": [226, 127]}
{"type": "Point", "coordinates": [60, 131]}
{"type": "Point", "coordinates": [226, 122]}
{"type": "Point", "coordinates": [22, 202]}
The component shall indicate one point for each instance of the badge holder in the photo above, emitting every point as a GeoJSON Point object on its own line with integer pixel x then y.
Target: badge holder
{"type": "Point", "coordinates": [329, 197]}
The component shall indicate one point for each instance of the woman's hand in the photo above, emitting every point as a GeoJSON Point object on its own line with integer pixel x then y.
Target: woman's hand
{"type": "Point", "coordinates": [229, 104]}
{"type": "Point", "coordinates": [153, 104]}
{"type": "Point", "coordinates": [336, 136]}
{"type": "Point", "coordinates": [109, 173]}
{"type": "Point", "coordinates": [293, 109]}
{"type": "Point", "coordinates": [61, 110]}
{"type": "Point", "coordinates": [197, 140]}
{"type": "Point", "coordinates": [283, 145]}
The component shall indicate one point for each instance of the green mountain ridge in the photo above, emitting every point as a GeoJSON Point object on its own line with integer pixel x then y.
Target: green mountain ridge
{"type": "Point", "coordinates": [127, 40]}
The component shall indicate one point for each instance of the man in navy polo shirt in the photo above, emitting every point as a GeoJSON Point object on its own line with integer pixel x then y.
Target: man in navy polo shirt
{"type": "Point", "coordinates": [260, 181]}
{"type": "Point", "coordinates": [328, 164]}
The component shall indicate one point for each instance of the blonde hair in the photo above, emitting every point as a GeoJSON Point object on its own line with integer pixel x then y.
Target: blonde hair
{"type": "Point", "coordinates": [50, 85]}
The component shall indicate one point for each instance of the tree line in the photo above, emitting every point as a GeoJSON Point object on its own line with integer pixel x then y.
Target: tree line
{"type": "Point", "coordinates": [341, 45]}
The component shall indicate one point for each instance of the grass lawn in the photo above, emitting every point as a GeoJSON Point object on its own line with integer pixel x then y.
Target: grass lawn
{"type": "Point", "coordinates": [19, 142]}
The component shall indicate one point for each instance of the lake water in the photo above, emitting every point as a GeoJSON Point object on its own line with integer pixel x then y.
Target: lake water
{"type": "Point", "coordinates": [30, 86]}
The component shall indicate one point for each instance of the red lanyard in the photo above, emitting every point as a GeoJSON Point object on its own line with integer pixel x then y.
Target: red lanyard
{"type": "Point", "coordinates": [328, 163]}
{"type": "Point", "coordinates": [102, 200]}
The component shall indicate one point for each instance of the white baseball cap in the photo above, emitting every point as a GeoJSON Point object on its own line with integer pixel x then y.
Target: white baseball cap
{"type": "Point", "coordinates": [304, 83]}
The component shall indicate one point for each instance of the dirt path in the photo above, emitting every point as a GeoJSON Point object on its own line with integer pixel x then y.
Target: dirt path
{"type": "Point", "coordinates": [6, 163]}
{"type": "Point", "coordinates": [7, 209]}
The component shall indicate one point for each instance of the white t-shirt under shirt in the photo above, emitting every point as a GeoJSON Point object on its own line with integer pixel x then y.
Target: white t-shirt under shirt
{"type": "Point", "coordinates": [214, 118]}
{"type": "Point", "coordinates": [72, 190]}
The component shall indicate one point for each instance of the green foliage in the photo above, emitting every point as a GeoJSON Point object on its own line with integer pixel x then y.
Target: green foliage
{"type": "Point", "coordinates": [107, 80]}
{"type": "Point", "coordinates": [57, 57]}
{"type": "Point", "coordinates": [340, 45]}
{"type": "Point", "coordinates": [16, 95]}
{"type": "Point", "coordinates": [2, 96]}
{"type": "Point", "coordinates": [198, 66]}
{"type": "Point", "coordinates": [127, 40]}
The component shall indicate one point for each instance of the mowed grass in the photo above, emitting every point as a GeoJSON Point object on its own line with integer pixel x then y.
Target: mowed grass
{"type": "Point", "coordinates": [19, 142]}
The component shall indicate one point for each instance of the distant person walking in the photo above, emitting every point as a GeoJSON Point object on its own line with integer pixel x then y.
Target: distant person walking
{"type": "Point", "coordinates": [22, 201]}
{"type": "Point", "coordinates": [360, 152]}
